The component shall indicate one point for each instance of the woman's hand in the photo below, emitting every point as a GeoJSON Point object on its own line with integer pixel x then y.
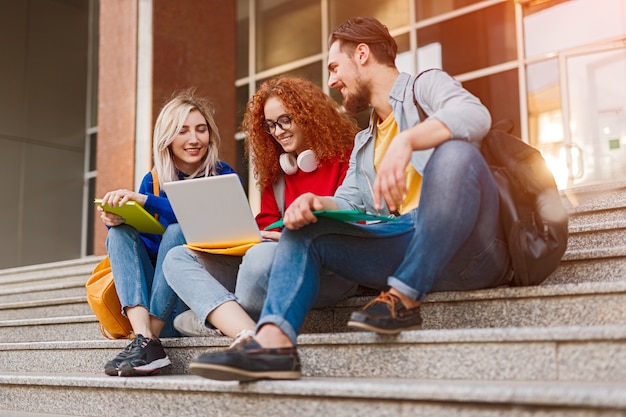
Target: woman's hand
{"type": "Point", "coordinates": [270, 235]}
{"type": "Point", "coordinates": [120, 197]}
{"type": "Point", "coordinates": [109, 219]}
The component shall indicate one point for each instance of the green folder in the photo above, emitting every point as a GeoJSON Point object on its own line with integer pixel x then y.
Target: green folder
{"type": "Point", "coordinates": [135, 215]}
{"type": "Point", "coordinates": [342, 215]}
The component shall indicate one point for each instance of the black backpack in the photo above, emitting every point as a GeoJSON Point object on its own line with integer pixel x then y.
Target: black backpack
{"type": "Point", "coordinates": [533, 220]}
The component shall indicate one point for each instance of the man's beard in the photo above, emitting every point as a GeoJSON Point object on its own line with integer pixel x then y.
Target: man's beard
{"type": "Point", "coordinates": [357, 102]}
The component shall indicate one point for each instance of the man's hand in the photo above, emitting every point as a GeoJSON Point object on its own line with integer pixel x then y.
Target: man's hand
{"type": "Point", "coordinates": [390, 183]}
{"type": "Point", "coordinates": [300, 212]}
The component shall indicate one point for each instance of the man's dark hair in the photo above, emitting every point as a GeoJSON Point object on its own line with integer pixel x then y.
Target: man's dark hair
{"type": "Point", "coordinates": [369, 31]}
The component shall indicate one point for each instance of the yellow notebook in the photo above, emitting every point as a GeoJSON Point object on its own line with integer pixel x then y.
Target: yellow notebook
{"type": "Point", "coordinates": [135, 215]}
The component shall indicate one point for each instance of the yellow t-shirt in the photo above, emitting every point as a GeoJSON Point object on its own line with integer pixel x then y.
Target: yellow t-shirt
{"type": "Point", "coordinates": [386, 131]}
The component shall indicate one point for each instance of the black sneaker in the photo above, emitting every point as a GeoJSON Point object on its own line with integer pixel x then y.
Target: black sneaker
{"type": "Point", "coordinates": [112, 367]}
{"type": "Point", "coordinates": [145, 357]}
{"type": "Point", "coordinates": [386, 315]}
{"type": "Point", "coordinates": [248, 361]}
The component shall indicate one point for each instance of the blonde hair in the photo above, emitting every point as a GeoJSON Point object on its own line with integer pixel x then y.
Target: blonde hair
{"type": "Point", "coordinates": [169, 123]}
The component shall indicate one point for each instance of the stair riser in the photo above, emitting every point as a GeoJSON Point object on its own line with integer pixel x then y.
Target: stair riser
{"type": "Point", "coordinates": [106, 402]}
{"type": "Point", "coordinates": [577, 220]}
{"type": "Point", "coordinates": [43, 294]}
{"type": "Point", "coordinates": [578, 271]}
{"type": "Point", "coordinates": [59, 310]}
{"type": "Point", "coordinates": [45, 272]}
{"type": "Point", "coordinates": [599, 239]}
{"type": "Point", "coordinates": [553, 310]}
{"type": "Point", "coordinates": [50, 332]}
{"type": "Point", "coordinates": [65, 282]}
{"type": "Point", "coordinates": [511, 361]}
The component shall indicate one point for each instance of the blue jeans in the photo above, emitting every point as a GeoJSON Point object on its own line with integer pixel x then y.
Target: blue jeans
{"type": "Point", "coordinates": [450, 242]}
{"type": "Point", "coordinates": [139, 280]}
{"type": "Point", "coordinates": [204, 281]}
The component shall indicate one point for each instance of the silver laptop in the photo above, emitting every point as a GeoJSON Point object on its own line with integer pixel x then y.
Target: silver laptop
{"type": "Point", "coordinates": [213, 212]}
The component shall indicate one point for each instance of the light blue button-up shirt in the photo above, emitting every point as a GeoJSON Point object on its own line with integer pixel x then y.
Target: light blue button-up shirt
{"type": "Point", "coordinates": [442, 98]}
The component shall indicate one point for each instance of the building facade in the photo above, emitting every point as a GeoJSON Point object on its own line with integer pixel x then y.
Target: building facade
{"type": "Point", "coordinates": [90, 76]}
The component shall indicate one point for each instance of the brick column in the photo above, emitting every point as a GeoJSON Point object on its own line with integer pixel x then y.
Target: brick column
{"type": "Point", "coordinates": [193, 46]}
{"type": "Point", "coordinates": [117, 86]}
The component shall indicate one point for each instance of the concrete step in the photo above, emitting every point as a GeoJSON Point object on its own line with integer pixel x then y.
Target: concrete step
{"type": "Point", "coordinates": [574, 353]}
{"type": "Point", "coordinates": [597, 238]}
{"type": "Point", "coordinates": [56, 307]}
{"type": "Point", "coordinates": [594, 197]}
{"type": "Point", "coordinates": [587, 259]}
{"type": "Point", "coordinates": [91, 395]}
{"type": "Point", "coordinates": [594, 226]}
{"type": "Point", "coordinates": [83, 327]}
{"type": "Point", "coordinates": [61, 288]}
{"type": "Point", "coordinates": [578, 304]}
{"type": "Point", "coordinates": [15, 413]}
{"type": "Point", "coordinates": [49, 271]}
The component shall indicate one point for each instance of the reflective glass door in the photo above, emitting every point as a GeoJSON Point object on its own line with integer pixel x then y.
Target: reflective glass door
{"type": "Point", "coordinates": [594, 96]}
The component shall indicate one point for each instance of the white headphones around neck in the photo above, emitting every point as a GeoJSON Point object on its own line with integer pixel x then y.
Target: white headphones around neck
{"type": "Point", "coordinates": [306, 161]}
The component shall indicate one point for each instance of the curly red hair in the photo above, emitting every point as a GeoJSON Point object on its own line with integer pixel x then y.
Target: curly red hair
{"type": "Point", "coordinates": [328, 131]}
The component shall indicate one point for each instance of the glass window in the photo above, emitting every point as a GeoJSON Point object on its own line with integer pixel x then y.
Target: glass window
{"type": "Point", "coordinates": [242, 99]}
{"type": "Point", "coordinates": [545, 123]}
{"type": "Point", "coordinates": [404, 58]}
{"type": "Point", "coordinates": [392, 13]}
{"type": "Point", "coordinates": [91, 217]}
{"type": "Point", "coordinates": [430, 8]}
{"type": "Point", "coordinates": [242, 167]}
{"type": "Point", "coordinates": [93, 148]}
{"type": "Point", "coordinates": [287, 31]}
{"type": "Point", "coordinates": [499, 92]}
{"type": "Point", "coordinates": [472, 41]}
{"type": "Point", "coordinates": [567, 25]}
{"type": "Point", "coordinates": [311, 72]}
{"type": "Point", "coordinates": [243, 31]}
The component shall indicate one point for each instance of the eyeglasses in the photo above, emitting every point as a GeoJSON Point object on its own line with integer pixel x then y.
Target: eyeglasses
{"type": "Point", "coordinates": [283, 121]}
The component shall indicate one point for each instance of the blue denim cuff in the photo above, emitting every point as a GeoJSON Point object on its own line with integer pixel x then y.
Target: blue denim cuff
{"type": "Point", "coordinates": [282, 324]}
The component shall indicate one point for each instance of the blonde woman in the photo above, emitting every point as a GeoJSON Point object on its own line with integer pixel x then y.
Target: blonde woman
{"type": "Point", "coordinates": [186, 141]}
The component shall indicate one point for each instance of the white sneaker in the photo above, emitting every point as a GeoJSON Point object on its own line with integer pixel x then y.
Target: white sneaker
{"type": "Point", "coordinates": [241, 337]}
{"type": "Point", "coordinates": [190, 325]}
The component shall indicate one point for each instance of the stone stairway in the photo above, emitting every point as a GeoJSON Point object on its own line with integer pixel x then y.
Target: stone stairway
{"type": "Point", "coordinates": [558, 349]}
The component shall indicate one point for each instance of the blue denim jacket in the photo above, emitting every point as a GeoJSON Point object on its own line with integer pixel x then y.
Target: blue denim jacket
{"type": "Point", "coordinates": [442, 98]}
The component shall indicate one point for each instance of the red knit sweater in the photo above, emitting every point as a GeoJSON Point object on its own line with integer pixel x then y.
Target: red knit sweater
{"type": "Point", "coordinates": [323, 181]}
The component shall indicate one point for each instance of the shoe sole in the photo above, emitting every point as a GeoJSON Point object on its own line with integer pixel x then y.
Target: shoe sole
{"type": "Point", "coordinates": [153, 368]}
{"type": "Point", "coordinates": [227, 373]}
{"type": "Point", "coordinates": [380, 330]}
{"type": "Point", "coordinates": [111, 371]}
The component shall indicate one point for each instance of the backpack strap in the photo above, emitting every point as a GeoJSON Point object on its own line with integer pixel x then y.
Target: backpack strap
{"type": "Point", "coordinates": [420, 110]}
{"type": "Point", "coordinates": [155, 182]}
{"type": "Point", "coordinates": [155, 186]}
